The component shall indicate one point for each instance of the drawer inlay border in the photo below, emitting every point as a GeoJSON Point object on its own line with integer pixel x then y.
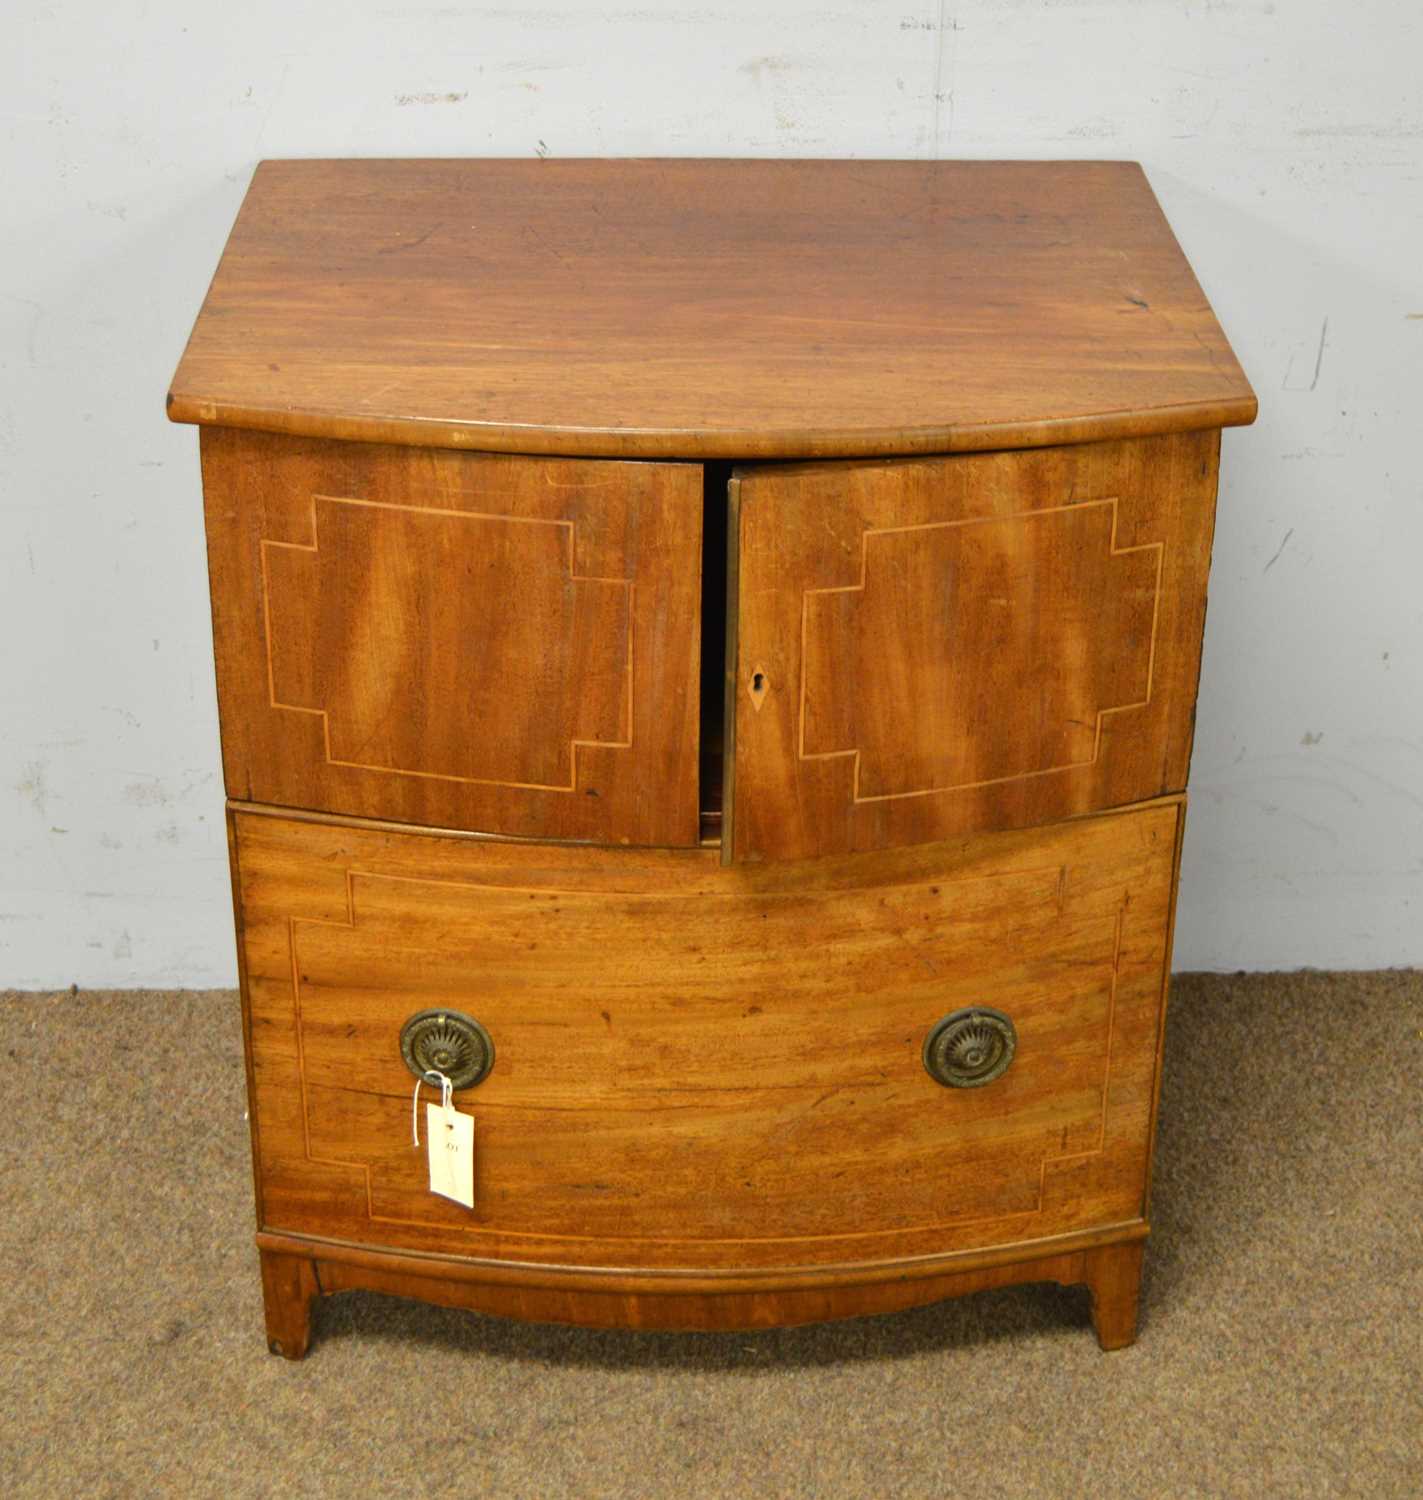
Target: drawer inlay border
{"type": "Point", "coordinates": [1021, 1216]}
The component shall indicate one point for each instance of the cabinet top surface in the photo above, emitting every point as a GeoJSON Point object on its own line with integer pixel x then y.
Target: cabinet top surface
{"type": "Point", "coordinates": [707, 309]}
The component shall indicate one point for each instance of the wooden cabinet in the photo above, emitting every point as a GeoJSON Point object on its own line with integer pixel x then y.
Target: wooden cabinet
{"type": "Point", "coordinates": [714, 646]}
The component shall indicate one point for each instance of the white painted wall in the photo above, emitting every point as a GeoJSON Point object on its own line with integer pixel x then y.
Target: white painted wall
{"type": "Point", "coordinates": [1284, 139]}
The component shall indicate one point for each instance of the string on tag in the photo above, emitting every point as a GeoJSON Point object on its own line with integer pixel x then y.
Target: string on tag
{"type": "Point", "coordinates": [447, 1090]}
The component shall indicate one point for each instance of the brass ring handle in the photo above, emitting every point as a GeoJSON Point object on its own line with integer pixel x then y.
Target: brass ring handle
{"type": "Point", "coordinates": [448, 1042]}
{"type": "Point", "coordinates": [970, 1047]}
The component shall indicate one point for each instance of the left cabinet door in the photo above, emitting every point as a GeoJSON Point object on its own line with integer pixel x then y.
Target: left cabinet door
{"type": "Point", "coordinates": [499, 644]}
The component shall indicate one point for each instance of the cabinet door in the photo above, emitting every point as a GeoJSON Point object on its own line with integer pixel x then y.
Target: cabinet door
{"type": "Point", "coordinates": [505, 645]}
{"type": "Point", "coordinates": [930, 648]}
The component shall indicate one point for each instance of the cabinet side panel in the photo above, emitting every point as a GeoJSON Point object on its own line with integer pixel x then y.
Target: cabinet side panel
{"type": "Point", "coordinates": [505, 645]}
{"type": "Point", "coordinates": [957, 645]}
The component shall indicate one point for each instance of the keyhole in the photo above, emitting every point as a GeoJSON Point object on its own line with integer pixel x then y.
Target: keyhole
{"type": "Point", "coordinates": [760, 686]}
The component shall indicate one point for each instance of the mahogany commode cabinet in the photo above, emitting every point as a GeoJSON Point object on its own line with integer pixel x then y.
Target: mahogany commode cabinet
{"type": "Point", "coordinates": [706, 658]}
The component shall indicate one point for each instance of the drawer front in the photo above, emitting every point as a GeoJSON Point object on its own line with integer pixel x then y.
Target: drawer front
{"type": "Point", "coordinates": [505, 645]}
{"type": "Point", "coordinates": [924, 649]}
{"type": "Point", "coordinates": [705, 1067]}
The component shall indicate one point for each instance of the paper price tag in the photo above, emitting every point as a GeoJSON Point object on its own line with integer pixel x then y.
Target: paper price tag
{"type": "Point", "coordinates": [450, 1139]}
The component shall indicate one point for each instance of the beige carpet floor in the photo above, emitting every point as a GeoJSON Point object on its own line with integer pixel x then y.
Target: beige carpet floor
{"type": "Point", "coordinates": [1281, 1348]}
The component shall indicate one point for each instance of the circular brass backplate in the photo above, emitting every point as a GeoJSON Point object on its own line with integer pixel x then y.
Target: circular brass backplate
{"type": "Point", "coordinates": [448, 1042]}
{"type": "Point", "coordinates": [970, 1047]}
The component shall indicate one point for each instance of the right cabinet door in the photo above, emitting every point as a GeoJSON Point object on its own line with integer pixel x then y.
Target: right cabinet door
{"type": "Point", "coordinates": [926, 648]}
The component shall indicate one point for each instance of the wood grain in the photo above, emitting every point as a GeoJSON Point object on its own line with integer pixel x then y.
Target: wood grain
{"type": "Point", "coordinates": [708, 1070]}
{"type": "Point", "coordinates": [703, 309]}
{"type": "Point", "coordinates": [339, 1268]}
{"type": "Point", "coordinates": [497, 644]}
{"type": "Point", "coordinates": [926, 648]}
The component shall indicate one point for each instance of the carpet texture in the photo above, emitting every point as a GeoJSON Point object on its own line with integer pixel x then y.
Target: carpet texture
{"type": "Point", "coordinates": [1281, 1352]}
